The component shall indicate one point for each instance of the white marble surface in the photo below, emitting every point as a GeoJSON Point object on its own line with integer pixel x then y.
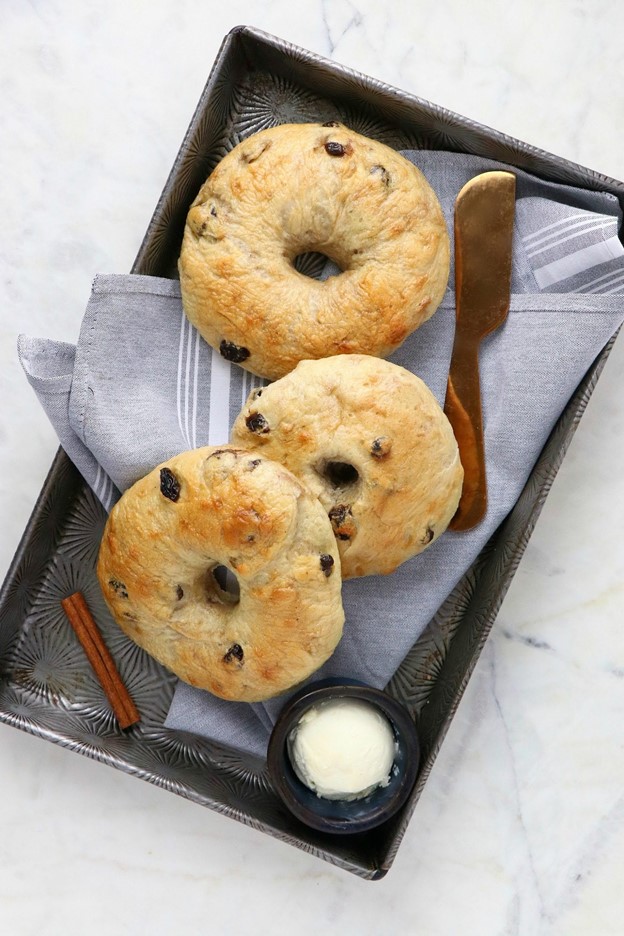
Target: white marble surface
{"type": "Point", "coordinates": [521, 826]}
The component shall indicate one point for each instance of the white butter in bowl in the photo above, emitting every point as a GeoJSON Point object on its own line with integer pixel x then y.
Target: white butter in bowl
{"type": "Point", "coordinates": [343, 757]}
{"type": "Point", "coordinates": [343, 749]}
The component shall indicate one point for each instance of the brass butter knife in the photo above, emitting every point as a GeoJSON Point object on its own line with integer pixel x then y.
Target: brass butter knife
{"type": "Point", "coordinates": [484, 216]}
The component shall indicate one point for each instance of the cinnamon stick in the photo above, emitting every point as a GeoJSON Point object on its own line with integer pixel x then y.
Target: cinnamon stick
{"type": "Point", "coordinates": [90, 637]}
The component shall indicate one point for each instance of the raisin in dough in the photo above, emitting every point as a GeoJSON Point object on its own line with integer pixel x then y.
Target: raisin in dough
{"type": "Point", "coordinates": [372, 443]}
{"type": "Point", "coordinates": [215, 507]}
{"type": "Point", "coordinates": [307, 187]}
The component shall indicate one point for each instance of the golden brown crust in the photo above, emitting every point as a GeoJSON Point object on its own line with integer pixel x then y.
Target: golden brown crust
{"type": "Point", "coordinates": [224, 507]}
{"type": "Point", "coordinates": [305, 187]}
{"type": "Point", "coordinates": [371, 442]}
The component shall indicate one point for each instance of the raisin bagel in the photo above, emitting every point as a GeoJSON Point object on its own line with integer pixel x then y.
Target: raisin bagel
{"type": "Point", "coordinates": [222, 507]}
{"type": "Point", "coordinates": [372, 443]}
{"type": "Point", "coordinates": [306, 187]}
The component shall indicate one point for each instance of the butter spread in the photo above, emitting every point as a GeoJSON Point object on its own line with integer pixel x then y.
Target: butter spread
{"type": "Point", "coordinates": [343, 749]}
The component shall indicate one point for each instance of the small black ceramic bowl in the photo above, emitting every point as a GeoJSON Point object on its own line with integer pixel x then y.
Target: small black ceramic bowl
{"type": "Point", "coordinates": [343, 816]}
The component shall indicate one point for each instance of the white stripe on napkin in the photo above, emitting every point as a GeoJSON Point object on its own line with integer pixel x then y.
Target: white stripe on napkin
{"type": "Point", "coordinates": [583, 227]}
{"type": "Point", "coordinates": [219, 427]}
{"type": "Point", "coordinates": [189, 346]}
{"type": "Point", "coordinates": [608, 292]}
{"type": "Point", "coordinates": [600, 283]}
{"type": "Point", "coordinates": [578, 262]}
{"type": "Point", "coordinates": [188, 374]}
{"type": "Point", "coordinates": [195, 372]}
{"type": "Point", "coordinates": [535, 238]}
{"type": "Point", "coordinates": [245, 387]}
{"type": "Point", "coordinates": [103, 488]}
{"type": "Point", "coordinates": [108, 496]}
{"type": "Point", "coordinates": [183, 323]}
{"type": "Point", "coordinates": [98, 478]}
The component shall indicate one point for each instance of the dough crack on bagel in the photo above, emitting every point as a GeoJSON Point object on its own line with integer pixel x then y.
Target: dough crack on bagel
{"type": "Point", "coordinates": [307, 188]}
{"type": "Point", "coordinates": [224, 508]}
{"type": "Point", "coordinates": [372, 443]}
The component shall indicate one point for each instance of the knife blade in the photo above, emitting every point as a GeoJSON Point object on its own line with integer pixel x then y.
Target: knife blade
{"type": "Point", "coordinates": [484, 218]}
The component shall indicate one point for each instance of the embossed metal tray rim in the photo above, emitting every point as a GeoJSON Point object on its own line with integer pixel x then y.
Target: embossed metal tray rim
{"type": "Point", "coordinates": [49, 692]}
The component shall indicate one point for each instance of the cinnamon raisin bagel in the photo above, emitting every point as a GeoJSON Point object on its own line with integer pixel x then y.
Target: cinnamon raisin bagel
{"type": "Point", "coordinates": [222, 507]}
{"type": "Point", "coordinates": [306, 187]}
{"type": "Point", "coordinates": [372, 443]}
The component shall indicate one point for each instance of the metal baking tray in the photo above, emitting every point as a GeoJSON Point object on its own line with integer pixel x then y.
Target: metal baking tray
{"type": "Point", "coordinates": [46, 685]}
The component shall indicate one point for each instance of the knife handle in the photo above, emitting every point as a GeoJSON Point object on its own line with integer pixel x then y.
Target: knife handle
{"type": "Point", "coordinates": [463, 409]}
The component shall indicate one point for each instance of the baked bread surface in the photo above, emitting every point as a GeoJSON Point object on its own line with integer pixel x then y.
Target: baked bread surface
{"type": "Point", "coordinates": [310, 187]}
{"type": "Point", "coordinates": [223, 507]}
{"type": "Point", "coordinates": [372, 443]}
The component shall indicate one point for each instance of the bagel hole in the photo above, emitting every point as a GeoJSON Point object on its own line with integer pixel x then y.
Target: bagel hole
{"type": "Point", "coordinates": [313, 264]}
{"type": "Point", "coordinates": [228, 588]}
{"type": "Point", "coordinates": [338, 473]}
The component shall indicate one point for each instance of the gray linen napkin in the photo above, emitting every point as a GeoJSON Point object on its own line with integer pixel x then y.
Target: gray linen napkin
{"type": "Point", "coordinates": [141, 385]}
